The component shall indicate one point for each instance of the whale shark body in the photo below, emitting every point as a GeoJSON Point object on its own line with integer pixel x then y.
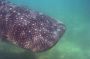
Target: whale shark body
{"type": "Point", "coordinates": [28, 29]}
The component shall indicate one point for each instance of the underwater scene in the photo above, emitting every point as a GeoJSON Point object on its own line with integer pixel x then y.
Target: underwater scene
{"type": "Point", "coordinates": [75, 42]}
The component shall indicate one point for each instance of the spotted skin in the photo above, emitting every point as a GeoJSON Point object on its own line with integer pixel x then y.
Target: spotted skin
{"type": "Point", "coordinates": [28, 29]}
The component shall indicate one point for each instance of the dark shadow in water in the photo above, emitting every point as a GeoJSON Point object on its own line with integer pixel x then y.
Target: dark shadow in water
{"type": "Point", "coordinates": [5, 53]}
{"type": "Point", "coordinates": [10, 55]}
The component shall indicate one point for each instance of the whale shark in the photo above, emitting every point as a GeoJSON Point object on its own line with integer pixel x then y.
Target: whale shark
{"type": "Point", "coordinates": [29, 29]}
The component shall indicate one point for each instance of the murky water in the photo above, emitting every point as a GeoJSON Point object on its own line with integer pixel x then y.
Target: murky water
{"type": "Point", "coordinates": [75, 43]}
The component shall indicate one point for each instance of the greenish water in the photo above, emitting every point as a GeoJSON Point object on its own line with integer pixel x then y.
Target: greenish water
{"type": "Point", "coordinates": [75, 44]}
